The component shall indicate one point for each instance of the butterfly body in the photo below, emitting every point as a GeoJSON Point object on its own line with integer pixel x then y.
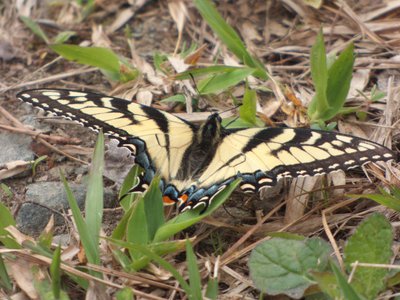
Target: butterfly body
{"type": "Point", "coordinates": [196, 162]}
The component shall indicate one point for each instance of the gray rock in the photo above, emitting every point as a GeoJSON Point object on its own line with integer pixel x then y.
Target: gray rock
{"type": "Point", "coordinates": [47, 198]}
{"type": "Point", "coordinates": [15, 147]}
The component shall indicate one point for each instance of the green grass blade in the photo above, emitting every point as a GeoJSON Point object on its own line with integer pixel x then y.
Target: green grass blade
{"type": "Point", "coordinates": [55, 273]}
{"type": "Point", "coordinates": [5, 280]}
{"type": "Point", "coordinates": [91, 249]}
{"type": "Point", "coordinates": [94, 201]}
{"type": "Point", "coordinates": [130, 181]}
{"type": "Point", "coordinates": [212, 70]}
{"type": "Point", "coordinates": [194, 273]}
{"type": "Point", "coordinates": [35, 28]}
{"type": "Point", "coordinates": [212, 289]}
{"type": "Point", "coordinates": [163, 263]}
{"type": "Point", "coordinates": [229, 36]}
{"type": "Point", "coordinates": [346, 289]}
{"type": "Point", "coordinates": [385, 200]}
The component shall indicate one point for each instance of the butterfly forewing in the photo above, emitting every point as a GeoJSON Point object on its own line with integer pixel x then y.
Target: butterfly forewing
{"type": "Point", "coordinates": [165, 136]}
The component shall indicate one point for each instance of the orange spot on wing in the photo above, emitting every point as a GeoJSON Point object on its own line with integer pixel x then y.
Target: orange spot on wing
{"type": "Point", "coordinates": [167, 200]}
{"type": "Point", "coordinates": [183, 198]}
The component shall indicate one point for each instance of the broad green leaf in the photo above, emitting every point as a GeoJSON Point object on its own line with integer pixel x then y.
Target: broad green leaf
{"type": "Point", "coordinates": [371, 243]}
{"type": "Point", "coordinates": [221, 82]}
{"type": "Point", "coordinates": [339, 79]}
{"type": "Point", "coordinates": [346, 289]}
{"type": "Point", "coordinates": [137, 230]}
{"type": "Point", "coordinates": [247, 111]}
{"type": "Point", "coordinates": [32, 25]}
{"type": "Point", "coordinates": [190, 217]}
{"type": "Point", "coordinates": [229, 36]}
{"type": "Point", "coordinates": [6, 219]}
{"type": "Point", "coordinates": [154, 208]}
{"type": "Point", "coordinates": [55, 273]}
{"type": "Point", "coordinates": [194, 273]}
{"type": "Point", "coordinates": [282, 266]}
{"type": "Point", "coordinates": [319, 74]}
{"type": "Point", "coordinates": [102, 58]}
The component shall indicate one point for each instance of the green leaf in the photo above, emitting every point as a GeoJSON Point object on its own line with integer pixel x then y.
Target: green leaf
{"type": "Point", "coordinates": [327, 283]}
{"type": "Point", "coordinates": [229, 36]}
{"type": "Point", "coordinates": [282, 266]}
{"type": "Point", "coordinates": [154, 207]}
{"type": "Point", "coordinates": [5, 280]}
{"type": "Point", "coordinates": [340, 75]}
{"type": "Point", "coordinates": [212, 70]}
{"type": "Point", "coordinates": [94, 201]}
{"type": "Point", "coordinates": [371, 243]}
{"type": "Point", "coordinates": [194, 273]}
{"type": "Point", "coordinates": [55, 273]}
{"type": "Point", "coordinates": [248, 110]}
{"type": "Point", "coordinates": [64, 36]}
{"type": "Point", "coordinates": [36, 162]}
{"type": "Point", "coordinates": [385, 198]}
{"type": "Point", "coordinates": [101, 58]}
{"type": "Point", "coordinates": [179, 98]}
{"type": "Point", "coordinates": [161, 248]}
{"type": "Point", "coordinates": [6, 190]}
{"type": "Point", "coordinates": [137, 227]}
{"type": "Point", "coordinates": [331, 84]}
{"type": "Point", "coordinates": [212, 288]}
{"type": "Point", "coordinates": [190, 217]}
{"type": "Point", "coordinates": [6, 219]}
{"type": "Point", "coordinates": [221, 82]}
{"type": "Point", "coordinates": [32, 25]}
{"type": "Point", "coordinates": [319, 74]}
{"type": "Point", "coordinates": [124, 294]}
{"type": "Point", "coordinates": [91, 249]}
{"type": "Point", "coordinates": [346, 289]}
{"type": "Point", "coordinates": [131, 180]}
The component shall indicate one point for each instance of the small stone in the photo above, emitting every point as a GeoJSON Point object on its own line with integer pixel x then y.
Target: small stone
{"type": "Point", "coordinates": [47, 198]}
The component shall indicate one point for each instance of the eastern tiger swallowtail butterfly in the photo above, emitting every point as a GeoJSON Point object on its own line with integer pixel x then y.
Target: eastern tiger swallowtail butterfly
{"type": "Point", "coordinates": [197, 162]}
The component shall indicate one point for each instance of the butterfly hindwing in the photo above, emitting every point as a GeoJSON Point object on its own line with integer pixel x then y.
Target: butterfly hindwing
{"type": "Point", "coordinates": [262, 156]}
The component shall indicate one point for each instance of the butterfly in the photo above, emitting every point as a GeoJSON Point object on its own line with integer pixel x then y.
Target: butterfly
{"type": "Point", "coordinates": [196, 162]}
